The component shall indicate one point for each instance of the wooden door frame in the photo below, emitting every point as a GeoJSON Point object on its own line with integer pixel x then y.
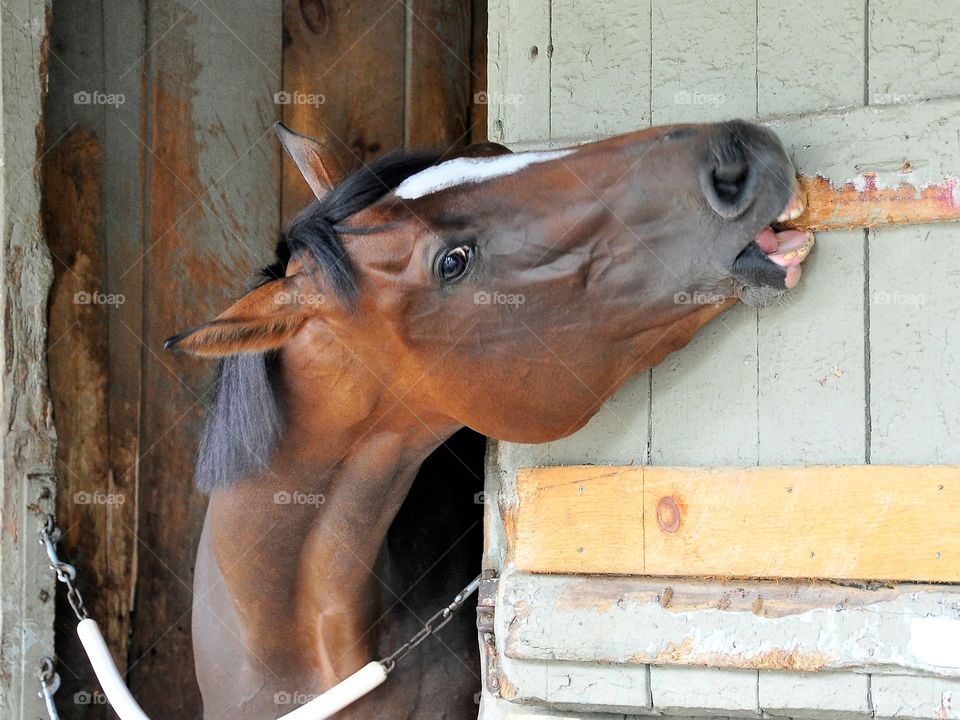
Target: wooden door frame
{"type": "Point", "coordinates": [29, 492]}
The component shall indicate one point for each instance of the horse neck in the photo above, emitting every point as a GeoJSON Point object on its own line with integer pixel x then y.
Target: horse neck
{"type": "Point", "coordinates": [302, 542]}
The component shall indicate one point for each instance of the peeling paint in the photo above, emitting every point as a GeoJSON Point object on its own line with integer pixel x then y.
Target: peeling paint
{"type": "Point", "coordinates": [936, 640]}
{"type": "Point", "coordinates": [870, 199]}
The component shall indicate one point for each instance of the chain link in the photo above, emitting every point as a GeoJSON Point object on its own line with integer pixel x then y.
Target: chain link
{"type": "Point", "coordinates": [66, 573]}
{"type": "Point", "coordinates": [431, 626]}
{"type": "Point", "coordinates": [49, 684]}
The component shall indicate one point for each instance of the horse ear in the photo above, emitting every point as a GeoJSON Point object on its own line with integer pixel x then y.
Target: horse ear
{"type": "Point", "coordinates": [262, 320]}
{"type": "Point", "coordinates": [317, 163]}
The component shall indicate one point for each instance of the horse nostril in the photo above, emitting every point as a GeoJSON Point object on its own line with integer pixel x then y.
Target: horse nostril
{"type": "Point", "coordinates": [730, 182]}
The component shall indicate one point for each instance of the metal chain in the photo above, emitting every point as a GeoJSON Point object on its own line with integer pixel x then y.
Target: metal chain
{"type": "Point", "coordinates": [66, 573]}
{"type": "Point", "coordinates": [431, 626]}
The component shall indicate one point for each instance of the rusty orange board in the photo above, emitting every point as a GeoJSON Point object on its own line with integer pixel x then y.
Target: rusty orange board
{"type": "Point", "coordinates": [841, 522]}
{"type": "Point", "coordinates": [866, 203]}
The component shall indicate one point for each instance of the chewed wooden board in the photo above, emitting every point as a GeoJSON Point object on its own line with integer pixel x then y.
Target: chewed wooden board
{"type": "Point", "coordinates": [844, 522]}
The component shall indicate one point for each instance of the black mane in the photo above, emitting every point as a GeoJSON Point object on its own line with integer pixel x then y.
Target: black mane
{"type": "Point", "coordinates": [245, 420]}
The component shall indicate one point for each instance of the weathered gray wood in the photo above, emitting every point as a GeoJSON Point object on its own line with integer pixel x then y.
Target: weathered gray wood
{"type": "Point", "coordinates": [519, 70]}
{"type": "Point", "coordinates": [810, 369]}
{"type": "Point", "coordinates": [581, 687]}
{"type": "Point", "coordinates": [29, 444]}
{"type": "Point", "coordinates": [914, 51]}
{"type": "Point", "coordinates": [757, 625]}
{"type": "Point", "coordinates": [896, 697]}
{"type": "Point", "coordinates": [911, 303]}
{"type": "Point", "coordinates": [704, 61]}
{"type": "Point", "coordinates": [914, 345]}
{"type": "Point", "coordinates": [811, 59]}
{"type": "Point", "coordinates": [683, 690]}
{"type": "Point", "coordinates": [815, 696]}
{"type": "Point", "coordinates": [601, 68]}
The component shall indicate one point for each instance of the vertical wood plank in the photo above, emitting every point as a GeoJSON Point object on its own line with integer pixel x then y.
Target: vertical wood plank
{"type": "Point", "coordinates": [519, 71]}
{"type": "Point", "coordinates": [92, 170]}
{"type": "Point", "coordinates": [29, 440]}
{"type": "Point", "coordinates": [914, 51]}
{"type": "Point", "coordinates": [439, 73]}
{"type": "Point", "coordinates": [77, 356]}
{"type": "Point", "coordinates": [811, 350]}
{"type": "Point", "coordinates": [601, 69]}
{"type": "Point", "coordinates": [479, 97]}
{"type": "Point", "coordinates": [704, 61]}
{"type": "Point", "coordinates": [914, 345]}
{"type": "Point", "coordinates": [794, 77]}
{"type": "Point", "coordinates": [805, 362]}
{"type": "Point", "coordinates": [343, 79]}
{"type": "Point", "coordinates": [212, 166]}
{"type": "Point", "coordinates": [123, 247]}
{"type": "Point", "coordinates": [913, 56]}
{"type": "Point", "coordinates": [704, 398]}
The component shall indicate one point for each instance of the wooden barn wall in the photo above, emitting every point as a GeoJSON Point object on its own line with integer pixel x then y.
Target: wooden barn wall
{"type": "Point", "coordinates": [861, 364]}
{"type": "Point", "coordinates": [162, 194]}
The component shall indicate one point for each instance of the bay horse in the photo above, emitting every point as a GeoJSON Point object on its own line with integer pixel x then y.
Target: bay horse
{"type": "Point", "coordinates": [508, 293]}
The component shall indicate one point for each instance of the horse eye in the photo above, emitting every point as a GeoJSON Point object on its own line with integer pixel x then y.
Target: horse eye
{"type": "Point", "coordinates": [453, 264]}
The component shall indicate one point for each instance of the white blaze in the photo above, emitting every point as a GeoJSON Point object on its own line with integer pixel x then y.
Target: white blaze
{"type": "Point", "coordinates": [470, 170]}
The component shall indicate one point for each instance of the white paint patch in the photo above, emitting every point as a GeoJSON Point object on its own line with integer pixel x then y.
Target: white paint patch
{"type": "Point", "coordinates": [936, 641]}
{"type": "Point", "coordinates": [471, 170]}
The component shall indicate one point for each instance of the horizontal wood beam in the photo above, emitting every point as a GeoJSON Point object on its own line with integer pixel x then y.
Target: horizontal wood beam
{"type": "Point", "coordinates": [861, 203]}
{"type": "Point", "coordinates": [762, 625]}
{"type": "Point", "coordinates": [845, 522]}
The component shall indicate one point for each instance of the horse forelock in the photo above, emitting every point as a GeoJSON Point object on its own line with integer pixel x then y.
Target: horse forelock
{"type": "Point", "coordinates": [245, 419]}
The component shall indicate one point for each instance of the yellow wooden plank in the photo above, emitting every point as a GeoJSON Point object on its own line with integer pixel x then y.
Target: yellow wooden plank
{"type": "Point", "coordinates": [850, 522]}
{"type": "Point", "coordinates": [572, 519]}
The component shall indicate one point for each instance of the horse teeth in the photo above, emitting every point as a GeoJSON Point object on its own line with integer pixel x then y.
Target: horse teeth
{"type": "Point", "coordinates": [793, 211]}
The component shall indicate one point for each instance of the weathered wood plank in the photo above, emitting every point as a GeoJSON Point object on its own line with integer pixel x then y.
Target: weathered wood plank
{"type": "Point", "coordinates": [93, 358]}
{"type": "Point", "coordinates": [29, 440]}
{"type": "Point", "coordinates": [479, 95]}
{"type": "Point", "coordinates": [704, 61]}
{"type": "Point", "coordinates": [798, 626]}
{"type": "Point", "coordinates": [914, 345]}
{"type": "Point", "coordinates": [914, 51]}
{"type": "Point", "coordinates": [804, 362]}
{"type": "Point", "coordinates": [519, 71]}
{"type": "Point", "coordinates": [123, 244]}
{"type": "Point", "coordinates": [438, 75]}
{"type": "Point", "coordinates": [343, 79]}
{"type": "Point", "coordinates": [794, 75]}
{"type": "Point", "coordinates": [600, 83]}
{"type": "Point", "coordinates": [212, 171]}
{"type": "Point", "coordinates": [899, 697]}
{"type": "Point", "coordinates": [852, 522]}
